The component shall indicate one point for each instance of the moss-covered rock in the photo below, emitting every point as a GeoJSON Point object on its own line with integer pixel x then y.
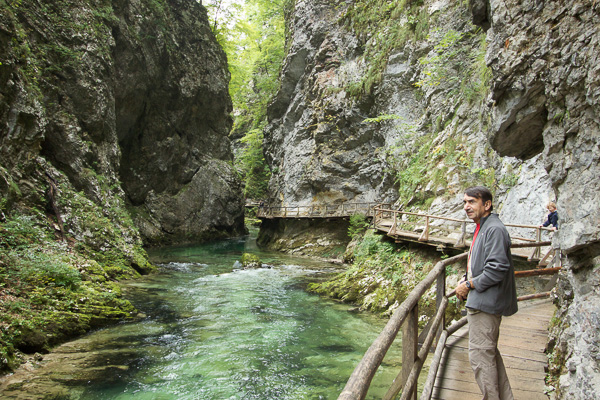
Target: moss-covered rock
{"type": "Point", "coordinates": [250, 261]}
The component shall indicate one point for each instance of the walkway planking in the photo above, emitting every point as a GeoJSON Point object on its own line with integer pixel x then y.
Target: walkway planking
{"type": "Point", "coordinates": [522, 342]}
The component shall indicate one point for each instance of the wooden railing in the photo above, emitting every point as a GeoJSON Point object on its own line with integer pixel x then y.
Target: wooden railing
{"type": "Point", "coordinates": [319, 211]}
{"type": "Point", "coordinates": [406, 317]}
{"type": "Point", "coordinates": [404, 221]}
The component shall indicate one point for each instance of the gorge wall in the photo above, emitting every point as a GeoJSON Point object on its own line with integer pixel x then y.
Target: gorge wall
{"type": "Point", "coordinates": [125, 102]}
{"type": "Point", "coordinates": [114, 118]}
{"type": "Point", "coordinates": [414, 101]}
{"type": "Point", "coordinates": [546, 98]}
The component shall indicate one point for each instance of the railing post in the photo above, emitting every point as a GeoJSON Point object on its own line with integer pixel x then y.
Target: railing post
{"type": "Point", "coordinates": [536, 251]}
{"type": "Point", "coordinates": [425, 235]}
{"type": "Point", "coordinates": [410, 342]}
{"type": "Point", "coordinates": [461, 241]}
{"type": "Point", "coordinates": [439, 297]}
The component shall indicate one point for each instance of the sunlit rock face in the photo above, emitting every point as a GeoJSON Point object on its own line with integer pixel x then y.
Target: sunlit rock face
{"type": "Point", "coordinates": [316, 143]}
{"type": "Point", "coordinates": [125, 102]}
{"type": "Point", "coordinates": [545, 57]}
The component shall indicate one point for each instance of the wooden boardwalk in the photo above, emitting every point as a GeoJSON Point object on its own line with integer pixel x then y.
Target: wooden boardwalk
{"type": "Point", "coordinates": [523, 339]}
{"type": "Point", "coordinates": [342, 210]}
{"type": "Point", "coordinates": [433, 230]}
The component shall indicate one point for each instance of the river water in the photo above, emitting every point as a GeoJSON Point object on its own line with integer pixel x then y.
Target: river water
{"type": "Point", "coordinates": [211, 330]}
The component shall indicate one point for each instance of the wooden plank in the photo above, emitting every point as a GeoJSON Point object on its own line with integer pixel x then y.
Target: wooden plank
{"type": "Point", "coordinates": [523, 338]}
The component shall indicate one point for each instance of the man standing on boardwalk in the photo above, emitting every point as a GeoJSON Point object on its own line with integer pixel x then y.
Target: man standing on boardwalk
{"type": "Point", "coordinates": [489, 288]}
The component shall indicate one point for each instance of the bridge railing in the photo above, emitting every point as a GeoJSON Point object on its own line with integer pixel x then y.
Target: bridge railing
{"type": "Point", "coordinates": [406, 317]}
{"type": "Point", "coordinates": [319, 210]}
{"type": "Point", "coordinates": [420, 226]}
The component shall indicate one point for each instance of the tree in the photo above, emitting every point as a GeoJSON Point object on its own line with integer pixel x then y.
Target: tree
{"type": "Point", "coordinates": [252, 33]}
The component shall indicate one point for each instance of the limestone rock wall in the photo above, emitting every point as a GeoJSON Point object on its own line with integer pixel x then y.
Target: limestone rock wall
{"type": "Point", "coordinates": [316, 143]}
{"type": "Point", "coordinates": [546, 99]}
{"type": "Point", "coordinates": [414, 144]}
{"type": "Point", "coordinates": [123, 102]}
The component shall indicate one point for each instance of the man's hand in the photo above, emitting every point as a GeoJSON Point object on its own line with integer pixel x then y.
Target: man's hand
{"type": "Point", "coordinates": [462, 291]}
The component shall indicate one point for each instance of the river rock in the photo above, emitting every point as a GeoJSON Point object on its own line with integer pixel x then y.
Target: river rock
{"type": "Point", "coordinates": [250, 261]}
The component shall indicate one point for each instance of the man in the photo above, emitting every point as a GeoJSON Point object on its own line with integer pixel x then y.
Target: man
{"type": "Point", "coordinates": [490, 291]}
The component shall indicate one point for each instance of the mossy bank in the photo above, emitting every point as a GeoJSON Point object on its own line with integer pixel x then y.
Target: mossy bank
{"type": "Point", "coordinates": [382, 273]}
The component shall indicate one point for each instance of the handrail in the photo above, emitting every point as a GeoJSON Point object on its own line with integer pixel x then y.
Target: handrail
{"type": "Point", "coordinates": [543, 228]}
{"type": "Point", "coordinates": [382, 214]}
{"type": "Point", "coordinates": [406, 316]}
{"type": "Point", "coordinates": [358, 384]}
{"type": "Point", "coordinates": [319, 210]}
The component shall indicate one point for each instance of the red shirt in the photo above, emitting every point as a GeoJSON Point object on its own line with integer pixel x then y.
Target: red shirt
{"type": "Point", "coordinates": [472, 243]}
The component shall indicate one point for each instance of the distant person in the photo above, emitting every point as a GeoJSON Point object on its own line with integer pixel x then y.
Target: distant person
{"type": "Point", "coordinates": [489, 288]}
{"type": "Point", "coordinates": [552, 216]}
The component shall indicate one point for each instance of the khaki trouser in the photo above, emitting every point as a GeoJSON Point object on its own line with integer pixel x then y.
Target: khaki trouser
{"type": "Point", "coordinates": [484, 356]}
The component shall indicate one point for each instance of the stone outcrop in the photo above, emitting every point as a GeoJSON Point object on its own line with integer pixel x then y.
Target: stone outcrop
{"type": "Point", "coordinates": [123, 100]}
{"type": "Point", "coordinates": [316, 143]}
{"type": "Point", "coordinates": [172, 118]}
{"type": "Point", "coordinates": [545, 57]}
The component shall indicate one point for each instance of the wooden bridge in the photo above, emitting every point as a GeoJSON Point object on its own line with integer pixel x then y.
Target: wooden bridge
{"type": "Point", "coordinates": [523, 338]}
{"type": "Point", "coordinates": [433, 230]}
{"type": "Point", "coordinates": [342, 210]}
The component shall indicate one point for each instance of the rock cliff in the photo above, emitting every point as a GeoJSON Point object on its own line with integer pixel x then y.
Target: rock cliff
{"type": "Point", "coordinates": [122, 101]}
{"type": "Point", "coordinates": [412, 102]}
{"type": "Point", "coordinates": [114, 118]}
{"type": "Point", "coordinates": [391, 110]}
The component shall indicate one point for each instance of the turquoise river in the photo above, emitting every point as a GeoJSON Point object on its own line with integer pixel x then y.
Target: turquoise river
{"type": "Point", "coordinates": [209, 329]}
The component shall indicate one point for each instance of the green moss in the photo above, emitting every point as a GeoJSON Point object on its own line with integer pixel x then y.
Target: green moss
{"type": "Point", "coordinates": [380, 277]}
{"type": "Point", "coordinates": [250, 260]}
{"type": "Point", "coordinates": [52, 289]}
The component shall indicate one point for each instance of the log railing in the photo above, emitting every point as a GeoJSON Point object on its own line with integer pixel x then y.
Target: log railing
{"type": "Point", "coordinates": [406, 316]}
{"type": "Point", "coordinates": [319, 210]}
{"type": "Point", "coordinates": [405, 221]}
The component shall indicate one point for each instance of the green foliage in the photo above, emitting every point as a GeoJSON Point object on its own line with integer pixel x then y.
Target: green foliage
{"type": "Point", "coordinates": [48, 291]}
{"type": "Point", "coordinates": [455, 65]}
{"type": "Point", "coordinates": [253, 167]}
{"type": "Point", "coordinates": [381, 276]}
{"type": "Point", "coordinates": [358, 225]}
{"type": "Point", "coordinates": [510, 178]}
{"type": "Point", "coordinates": [252, 33]}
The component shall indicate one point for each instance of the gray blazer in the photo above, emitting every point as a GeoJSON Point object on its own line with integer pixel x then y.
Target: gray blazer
{"type": "Point", "coordinates": [492, 270]}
